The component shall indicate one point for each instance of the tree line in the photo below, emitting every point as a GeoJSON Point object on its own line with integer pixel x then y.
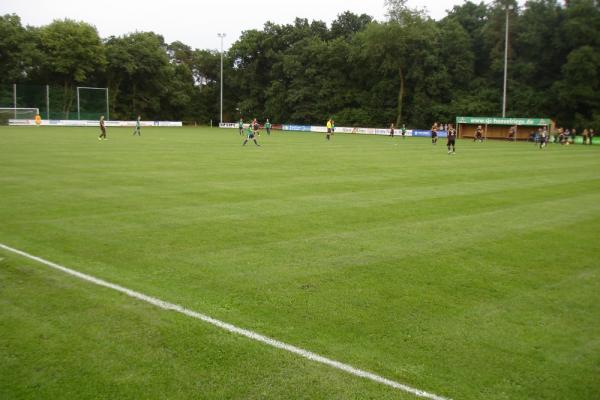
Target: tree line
{"type": "Point", "coordinates": [408, 69]}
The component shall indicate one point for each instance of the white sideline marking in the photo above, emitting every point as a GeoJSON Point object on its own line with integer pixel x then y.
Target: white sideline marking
{"type": "Point", "coordinates": [232, 328]}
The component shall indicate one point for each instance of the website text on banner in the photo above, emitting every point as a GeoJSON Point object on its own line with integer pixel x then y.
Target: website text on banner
{"type": "Point", "coordinates": [427, 133]}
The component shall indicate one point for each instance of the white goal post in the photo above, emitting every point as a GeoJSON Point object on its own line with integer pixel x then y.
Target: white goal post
{"type": "Point", "coordinates": [92, 88]}
{"type": "Point", "coordinates": [20, 110]}
{"type": "Point", "coordinates": [7, 113]}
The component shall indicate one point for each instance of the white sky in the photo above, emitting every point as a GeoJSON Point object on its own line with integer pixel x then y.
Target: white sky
{"type": "Point", "coordinates": [196, 23]}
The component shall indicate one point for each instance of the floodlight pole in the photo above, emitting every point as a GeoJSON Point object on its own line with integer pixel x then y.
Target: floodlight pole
{"type": "Point", "coordinates": [505, 62]}
{"type": "Point", "coordinates": [221, 35]}
{"type": "Point", "coordinates": [107, 107]}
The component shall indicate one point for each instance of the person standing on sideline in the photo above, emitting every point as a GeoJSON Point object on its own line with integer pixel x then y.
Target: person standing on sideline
{"type": "Point", "coordinates": [392, 130]}
{"type": "Point", "coordinates": [561, 136]}
{"type": "Point", "coordinates": [138, 126]}
{"type": "Point", "coordinates": [328, 135]}
{"type": "Point", "coordinates": [512, 131]}
{"type": "Point", "coordinates": [268, 127]}
{"type": "Point", "coordinates": [451, 139]}
{"type": "Point", "coordinates": [434, 129]}
{"type": "Point", "coordinates": [102, 129]}
{"type": "Point", "coordinates": [241, 126]}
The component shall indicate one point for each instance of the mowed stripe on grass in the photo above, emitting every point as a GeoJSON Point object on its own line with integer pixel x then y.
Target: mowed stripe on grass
{"type": "Point", "coordinates": [383, 253]}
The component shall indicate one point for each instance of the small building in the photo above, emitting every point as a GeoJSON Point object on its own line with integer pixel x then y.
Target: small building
{"type": "Point", "coordinates": [502, 128]}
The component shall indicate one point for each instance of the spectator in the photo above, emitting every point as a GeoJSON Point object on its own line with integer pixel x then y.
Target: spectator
{"type": "Point", "coordinates": [561, 136]}
{"type": "Point", "coordinates": [585, 136]}
{"type": "Point", "coordinates": [478, 134]}
{"type": "Point", "coordinates": [552, 137]}
{"type": "Point", "coordinates": [568, 137]}
{"type": "Point", "coordinates": [512, 132]}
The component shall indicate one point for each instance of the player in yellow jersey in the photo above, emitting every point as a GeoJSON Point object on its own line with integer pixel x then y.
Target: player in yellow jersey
{"type": "Point", "coordinates": [329, 127]}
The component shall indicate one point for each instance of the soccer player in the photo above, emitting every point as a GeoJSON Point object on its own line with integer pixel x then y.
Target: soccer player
{"type": "Point", "coordinates": [451, 139]}
{"type": "Point", "coordinates": [478, 134]}
{"type": "Point", "coordinates": [543, 138]}
{"type": "Point", "coordinates": [328, 129]}
{"type": "Point", "coordinates": [392, 130]}
{"type": "Point", "coordinates": [250, 136]}
{"type": "Point", "coordinates": [102, 129]}
{"type": "Point", "coordinates": [434, 129]}
{"type": "Point", "coordinates": [138, 126]}
{"type": "Point", "coordinates": [255, 127]}
{"type": "Point", "coordinates": [268, 127]}
{"type": "Point", "coordinates": [403, 131]}
{"type": "Point", "coordinates": [332, 127]}
{"type": "Point", "coordinates": [241, 126]}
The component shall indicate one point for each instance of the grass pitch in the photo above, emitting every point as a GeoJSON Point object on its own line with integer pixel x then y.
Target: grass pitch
{"type": "Point", "coordinates": [472, 276]}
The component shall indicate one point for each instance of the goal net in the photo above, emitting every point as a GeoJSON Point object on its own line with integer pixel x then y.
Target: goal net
{"type": "Point", "coordinates": [7, 113]}
{"type": "Point", "coordinates": [92, 103]}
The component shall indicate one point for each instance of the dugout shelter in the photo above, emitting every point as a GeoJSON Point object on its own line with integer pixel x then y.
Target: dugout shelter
{"type": "Point", "coordinates": [501, 128]}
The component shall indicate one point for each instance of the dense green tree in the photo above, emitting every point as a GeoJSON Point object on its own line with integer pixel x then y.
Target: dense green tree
{"type": "Point", "coordinates": [138, 74]}
{"type": "Point", "coordinates": [71, 54]}
{"type": "Point", "coordinates": [579, 89]}
{"type": "Point", "coordinates": [581, 25]}
{"type": "Point", "coordinates": [17, 50]}
{"type": "Point", "coordinates": [347, 24]}
{"type": "Point", "coordinates": [399, 12]}
{"type": "Point", "coordinates": [473, 18]}
{"type": "Point", "coordinates": [406, 55]}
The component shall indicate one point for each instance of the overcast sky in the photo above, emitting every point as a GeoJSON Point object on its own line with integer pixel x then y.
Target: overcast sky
{"type": "Point", "coordinates": [196, 23]}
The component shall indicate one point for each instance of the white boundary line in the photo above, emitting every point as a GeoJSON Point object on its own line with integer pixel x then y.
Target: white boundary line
{"type": "Point", "coordinates": [232, 328]}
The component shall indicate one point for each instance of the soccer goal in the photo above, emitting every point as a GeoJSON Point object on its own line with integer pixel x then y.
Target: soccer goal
{"type": "Point", "coordinates": [92, 102]}
{"type": "Point", "coordinates": [7, 113]}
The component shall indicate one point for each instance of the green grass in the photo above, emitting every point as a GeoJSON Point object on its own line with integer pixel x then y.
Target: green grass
{"type": "Point", "coordinates": [473, 276]}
